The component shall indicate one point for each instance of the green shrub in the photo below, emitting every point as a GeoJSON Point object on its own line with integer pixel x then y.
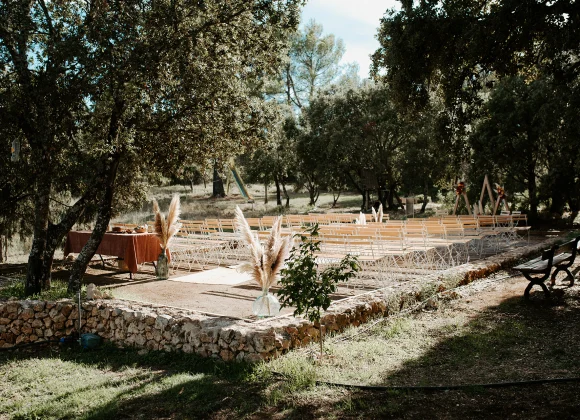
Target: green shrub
{"type": "Point", "coordinates": [307, 288]}
{"type": "Point", "coordinates": [58, 290]}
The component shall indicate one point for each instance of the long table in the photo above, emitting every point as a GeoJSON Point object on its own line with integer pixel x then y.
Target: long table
{"type": "Point", "coordinates": [134, 248]}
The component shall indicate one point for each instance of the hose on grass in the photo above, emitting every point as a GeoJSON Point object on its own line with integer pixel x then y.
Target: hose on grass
{"type": "Point", "coordinates": [450, 387]}
{"type": "Point", "coordinates": [507, 384]}
{"type": "Point", "coordinates": [24, 345]}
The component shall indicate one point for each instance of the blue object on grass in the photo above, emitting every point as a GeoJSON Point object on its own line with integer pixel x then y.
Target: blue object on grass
{"type": "Point", "coordinates": [90, 341]}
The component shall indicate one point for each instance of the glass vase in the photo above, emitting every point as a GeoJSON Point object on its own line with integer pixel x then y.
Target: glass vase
{"type": "Point", "coordinates": [266, 305]}
{"type": "Point", "coordinates": [162, 268]}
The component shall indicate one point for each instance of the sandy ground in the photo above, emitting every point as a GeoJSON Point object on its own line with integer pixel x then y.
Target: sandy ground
{"type": "Point", "coordinates": [234, 300]}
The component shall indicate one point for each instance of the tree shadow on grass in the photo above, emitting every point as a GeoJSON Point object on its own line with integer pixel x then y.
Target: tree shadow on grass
{"type": "Point", "coordinates": [152, 385]}
{"type": "Point", "coordinates": [516, 340]}
{"type": "Point", "coordinates": [511, 341]}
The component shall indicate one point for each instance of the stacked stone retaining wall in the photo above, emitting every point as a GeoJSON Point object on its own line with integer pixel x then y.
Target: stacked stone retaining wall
{"type": "Point", "coordinates": [156, 327]}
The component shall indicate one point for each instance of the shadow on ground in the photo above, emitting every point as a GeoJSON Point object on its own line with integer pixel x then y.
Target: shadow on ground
{"type": "Point", "coordinates": [514, 340]}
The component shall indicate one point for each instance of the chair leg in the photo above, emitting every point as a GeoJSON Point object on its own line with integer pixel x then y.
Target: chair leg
{"type": "Point", "coordinates": [571, 276]}
{"type": "Point", "coordinates": [554, 274]}
{"type": "Point", "coordinates": [567, 270]}
{"type": "Point", "coordinates": [545, 289]}
{"type": "Point", "coordinates": [541, 284]}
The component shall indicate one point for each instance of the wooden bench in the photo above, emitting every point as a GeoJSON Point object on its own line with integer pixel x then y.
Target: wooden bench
{"type": "Point", "coordinates": [560, 257]}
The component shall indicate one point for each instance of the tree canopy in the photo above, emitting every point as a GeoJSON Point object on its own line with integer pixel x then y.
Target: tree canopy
{"type": "Point", "coordinates": [508, 75]}
{"type": "Point", "coordinates": [104, 94]}
{"type": "Point", "coordinates": [457, 45]}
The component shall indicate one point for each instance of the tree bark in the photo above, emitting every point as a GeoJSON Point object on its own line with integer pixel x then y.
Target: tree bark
{"type": "Point", "coordinates": [425, 195]}
{"type": "Point", "coordinates": [37, 277]}
{"type": "Point", "coordinates": [278, 192]}
{"type": "Point", "coordinates": [399, 201]}
{"type": "Point", "coordinates": [286, 195]}
{"type": "Point", "coordinates": [358, 188]}
{"type": "Point", "coordinates": [103, 218]}
{"type": "Point", "coordinates": [390, 202]}
{"type": "Point", "coordinates": [265, 193]}
{"type": "Point", "coordinates": [218, 185]}
{"type": "Point", "coordinates": [532, 188]}
{"type": "Point", "coordinates": [335, 197]}
{"type": "Point", "coordinates": [313, 193]}
{"type": "Point", "coordinates": [3, 248]}
{"type": "Point", "coordinates": [382, 194]}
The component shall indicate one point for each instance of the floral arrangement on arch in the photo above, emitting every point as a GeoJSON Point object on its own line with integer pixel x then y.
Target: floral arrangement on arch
{"type": "Point", "coordinates": [500, 191]}
{"type": "Point", "coordinates": [460, 188]}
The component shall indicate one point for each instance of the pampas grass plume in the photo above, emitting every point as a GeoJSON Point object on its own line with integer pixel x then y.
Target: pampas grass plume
{"type": "Point", "coordinates": [265, 260]}
{"type": "Point", "coordinates": [165, 229]}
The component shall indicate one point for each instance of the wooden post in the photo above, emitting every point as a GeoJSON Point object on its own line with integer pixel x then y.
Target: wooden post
{"type": "Point", "coordinates": [485, 186]}
{"type": "Point", "coordinates": [466, 203]}
{"type": "Point", "coordinates": [501, 196]}
{"type": "Point", "coordinates": [497, 203]}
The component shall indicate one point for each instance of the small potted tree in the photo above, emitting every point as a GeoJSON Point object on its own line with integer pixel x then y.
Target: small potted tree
{"type": "Point", "coordinates": [307, 288]}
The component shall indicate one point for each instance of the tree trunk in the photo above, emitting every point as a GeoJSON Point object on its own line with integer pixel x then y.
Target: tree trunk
{"type": "Point", "coordinates": [265, 193]}
{"type": "Point", "coordinates": [103, 218]}
{"type": "Point", "coordinates": [399, 201]}
{"type": "Point", "coordinates": [558, 199]}
{"type": "Point", "coordinates": [533, 216]}
{"type": "Point", "coordinates": [53, 236]}
{"type": "Point", "coordinates": [358, 188]}
{"type": "Point", "coordinates": [313, 193]}
{"type": "Point", "coordinates": [382, 195]}
{"type": "Point", "coordinates": [37, 278]}
{"type": "Point", "coordinates": [278, 192]}
{"type": "Point", "coordinates": [321, 328]}
{"type": "Point", "coordinates": [191, 185]}
{"type": "Point", "coordinates": [364, 200]}
{"type": "Point", "coordinates": [425, 195]}
{"type": "Point", "coordinates": [335, 197]}
{"type": "Point", "coordinates": [390, 202]}
{"type": "Point", "coordinates": [3, 248]}
{"type": "Point", "coordinates": [218, 185]}
{"type": "Point", "coordinates": [286, 195]}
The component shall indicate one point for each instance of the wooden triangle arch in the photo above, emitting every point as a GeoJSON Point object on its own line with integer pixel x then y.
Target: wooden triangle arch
{"type": "Point", "coordinates": [501, 196]}
{"type": "Point", "coordinates": [464, 194]}
{"type": "Point", "coordinates": [485, 186]}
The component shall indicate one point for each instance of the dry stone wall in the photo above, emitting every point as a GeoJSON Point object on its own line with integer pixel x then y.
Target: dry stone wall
{"type": "Point", "coordinates": [156, 327]}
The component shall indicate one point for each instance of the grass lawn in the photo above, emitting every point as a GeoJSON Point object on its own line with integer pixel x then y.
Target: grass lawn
{"type": "Point", "coordinates": [484, 337]}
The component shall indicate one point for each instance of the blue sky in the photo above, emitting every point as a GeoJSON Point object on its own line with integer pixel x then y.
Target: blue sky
{"type": "Point", "coordinates": [355, 21]}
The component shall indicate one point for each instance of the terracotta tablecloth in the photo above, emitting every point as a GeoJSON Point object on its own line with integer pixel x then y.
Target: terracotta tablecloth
{"type": "Point", "coordinates": [134, 248]}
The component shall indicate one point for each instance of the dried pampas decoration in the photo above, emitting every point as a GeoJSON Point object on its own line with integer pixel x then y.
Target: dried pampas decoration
{"type": "Point", "coordinates": [166, 228]}
{"type": "Point", "coordinates": [362, 220]}
{"type": "Point", "coordinates": [378, 216]}
{"type": "Point", "coordinates": [267, 259]}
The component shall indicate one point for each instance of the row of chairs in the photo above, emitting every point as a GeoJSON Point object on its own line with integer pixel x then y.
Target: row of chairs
{"type": "Point", "coordinates": [385, 249]}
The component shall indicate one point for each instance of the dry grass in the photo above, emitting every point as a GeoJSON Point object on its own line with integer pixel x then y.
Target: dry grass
{"type": "Point", "coordinates": [488, 335]}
